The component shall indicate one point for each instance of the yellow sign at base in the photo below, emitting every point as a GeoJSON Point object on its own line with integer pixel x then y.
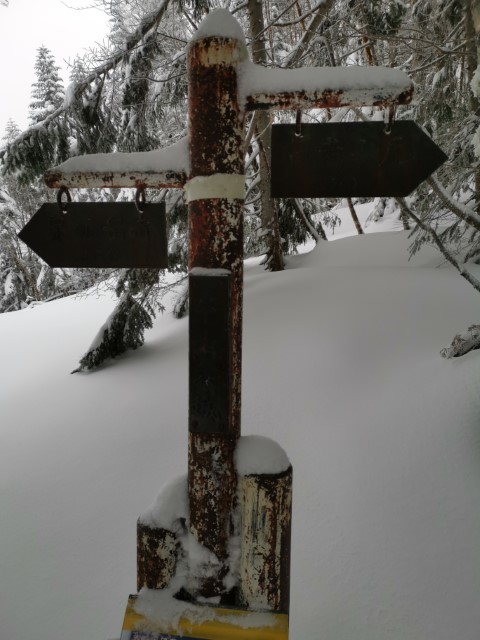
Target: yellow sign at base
{"type": "Point", "coordinates": [217, 623]}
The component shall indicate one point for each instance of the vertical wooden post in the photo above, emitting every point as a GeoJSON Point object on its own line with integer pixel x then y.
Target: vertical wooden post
{"type": "Point", "coordinates": [215, 195]}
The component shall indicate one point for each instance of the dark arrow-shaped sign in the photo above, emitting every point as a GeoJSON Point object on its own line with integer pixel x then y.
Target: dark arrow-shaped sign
{"type": "Point", "coordinates": [101, 235]}
{"type": "Point", "coordinates": [349, 159]}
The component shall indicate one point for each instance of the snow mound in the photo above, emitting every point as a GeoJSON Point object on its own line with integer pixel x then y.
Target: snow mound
{"type": "Point", "coordinates": [258, 454]}
{"type": "Point", "coordinates": [219, 22]}
{"type": "Point", "coordinates": [170, 506]}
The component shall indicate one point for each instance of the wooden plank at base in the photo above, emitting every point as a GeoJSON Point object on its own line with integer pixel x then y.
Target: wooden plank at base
{"type": "Point", "coordinates": [220, 623]}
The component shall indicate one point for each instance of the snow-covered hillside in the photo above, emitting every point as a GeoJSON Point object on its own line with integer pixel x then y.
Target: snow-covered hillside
{"type": "Point", "coordinates": [341, 367]}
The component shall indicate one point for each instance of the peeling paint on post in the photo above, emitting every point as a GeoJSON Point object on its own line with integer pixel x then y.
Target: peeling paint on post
{"type": "Point", "coordinates": [265, 534]}
{"type": "Point", "coordinates": [156, 556]}
{"type": "Point", "coordinates": [215, 202]}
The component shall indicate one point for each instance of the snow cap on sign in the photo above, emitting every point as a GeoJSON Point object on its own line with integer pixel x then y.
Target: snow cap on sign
{"type": "Point", "coordinates": [364, 80]}
{"type": "Point", "coordinates": [171, 158]}
{"type": "Point", "coordinates": [219, 22]}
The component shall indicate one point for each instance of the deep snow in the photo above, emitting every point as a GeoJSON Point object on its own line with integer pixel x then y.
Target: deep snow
{"type": "Point", "coordinates": [341, 368]}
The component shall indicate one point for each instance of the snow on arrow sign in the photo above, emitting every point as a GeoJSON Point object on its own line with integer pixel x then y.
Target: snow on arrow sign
{"type": "Point", "coordinates": [347, 159]}
{"type": "Point", "coordinates": [99, 235]}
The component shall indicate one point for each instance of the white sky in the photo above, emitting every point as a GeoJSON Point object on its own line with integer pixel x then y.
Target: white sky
{"type": "Point", "coordinates": [27, 24]}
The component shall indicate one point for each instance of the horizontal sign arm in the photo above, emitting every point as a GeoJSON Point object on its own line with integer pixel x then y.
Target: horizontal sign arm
{"type": "Point", "coordinates": [161, 168]}
{"type": "Point", "coordinates": [323, 87]}
{"type": "Point", "coordinates": [56, 178]}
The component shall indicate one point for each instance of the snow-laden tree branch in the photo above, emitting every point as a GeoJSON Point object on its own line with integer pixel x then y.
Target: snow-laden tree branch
{"type": "Point", "coordinates": [463, 343]}
{"type": "Point", "coordinates": [467, 214]}
{"type": "Point", "coordinates": [148, 24]}
{"type": "Point", "coordinates": [312, 30]}
{"type": "Point", "coordinates": [440, 245]}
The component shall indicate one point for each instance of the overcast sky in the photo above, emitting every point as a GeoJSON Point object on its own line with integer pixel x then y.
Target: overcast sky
{"type": "Point", "coordinates": [27, 24]}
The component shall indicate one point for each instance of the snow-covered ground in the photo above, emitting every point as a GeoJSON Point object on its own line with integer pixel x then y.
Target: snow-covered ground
{"type": "Point", "coordinates": [341, 367]}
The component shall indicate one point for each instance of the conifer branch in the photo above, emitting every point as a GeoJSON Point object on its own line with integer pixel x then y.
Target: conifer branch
{"type": "Point", "coordinates": [150, 22]}
{"type": "Point", "coordinates": [460, 210]}
{"type": "Point", "coordinates": [443, 250]}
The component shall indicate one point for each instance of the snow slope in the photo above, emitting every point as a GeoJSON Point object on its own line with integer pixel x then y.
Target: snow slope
{"type": "Point", "coordinates": [341, 367]}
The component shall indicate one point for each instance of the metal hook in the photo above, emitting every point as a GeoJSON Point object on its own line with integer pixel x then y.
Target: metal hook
{"type": "Point", "coordinates": [389, 118]}
{"type": "Point", "coordinates": [61, 203]}
{"type": "Point", "coordinates": [140, 200]}
{"type": "Point", "coordinates": [298, 124]}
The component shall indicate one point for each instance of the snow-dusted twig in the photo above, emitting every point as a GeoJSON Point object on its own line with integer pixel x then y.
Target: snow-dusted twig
{"type": "Point", "coordinates": [465, 213]}
{"type": "Point", "coordinates": [463, 343]}
{"type": "Point", "coordinates": [311, 229]}
{"type": "Point", "coordinates": [443, 250]}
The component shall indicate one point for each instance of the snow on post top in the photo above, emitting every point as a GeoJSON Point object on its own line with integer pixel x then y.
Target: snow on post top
{"type": "Point", "coordinates": [219, 22]}
{"type": "Point", "coordinates": [170, 506]}
{"type": "Point", "coordinates": [259, 455]}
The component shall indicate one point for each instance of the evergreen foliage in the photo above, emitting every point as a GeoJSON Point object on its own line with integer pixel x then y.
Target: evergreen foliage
{"type": "Point", "coordinates": [12, 131]}
{"type": "Point", "coordinates": [47, 90]}
{"type": "Point", "coordinates": [123, 330]}
{"type": "Point", "coordinates": [46, 142]}
{"type": "Point", "coordinates": [19, 268]}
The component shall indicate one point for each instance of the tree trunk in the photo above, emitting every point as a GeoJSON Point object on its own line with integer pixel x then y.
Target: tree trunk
{"type": "Point", "coordinates": [311, 31]}
{"type": "Point", "coordinates": [269, 211]}
{"type": "Point", "coordinates": [358, 226]}
{"type": "Point", "coordinates": [472, 38]}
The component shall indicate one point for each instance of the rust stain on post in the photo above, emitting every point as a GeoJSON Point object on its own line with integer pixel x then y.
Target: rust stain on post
{"type": "Point", "coordinates": [98, 180]}
{"type": "Point", "coordinates": [212, 488]}
{"type": "Point", "coordinates": [328, 99]}
{"type": "Point", "coordinates": [216, 119]}
{"type": "Point", "coordinates": [156, 557]}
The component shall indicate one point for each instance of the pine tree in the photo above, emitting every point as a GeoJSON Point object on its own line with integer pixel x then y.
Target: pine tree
{"type": "Point", "coordinates": [47, 91]}
{"type": "Point", "coordinates": [19, 267]}
{"type": "Point", "coordinates": [46, 142]}
{"type": "Point", "coordinates": [12, 131]}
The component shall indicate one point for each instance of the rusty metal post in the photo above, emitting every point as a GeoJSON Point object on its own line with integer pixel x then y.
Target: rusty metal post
{"type": "Point", "coordinates": [215, 195]}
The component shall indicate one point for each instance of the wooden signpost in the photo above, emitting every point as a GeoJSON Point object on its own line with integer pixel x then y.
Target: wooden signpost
{"type": "Point", "coordinates": [223, 87]}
